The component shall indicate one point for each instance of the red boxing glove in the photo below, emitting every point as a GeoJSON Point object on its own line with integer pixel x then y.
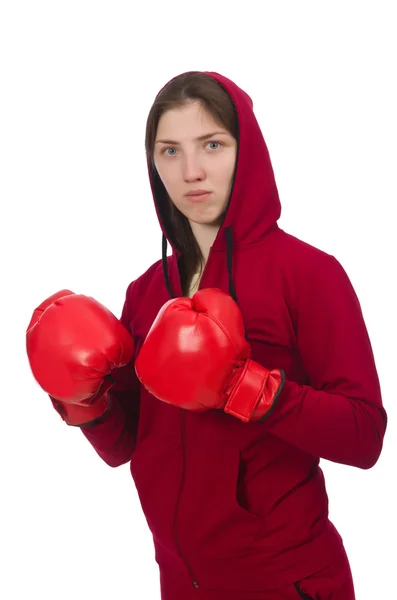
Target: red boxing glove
{"type": "Point", "coordinates": [196, 357]}
{"type": "Point", "coordinates": [73, 344]}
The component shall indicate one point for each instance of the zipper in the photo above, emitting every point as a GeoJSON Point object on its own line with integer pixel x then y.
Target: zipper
{"type": "Point", "coordinates": [187, 565]}
{"type": "Point", "coordinates": [181, 553]}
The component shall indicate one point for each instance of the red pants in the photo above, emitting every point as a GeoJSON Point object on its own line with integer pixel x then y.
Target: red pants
{"type": "Point", "coordinates": [332, 583]}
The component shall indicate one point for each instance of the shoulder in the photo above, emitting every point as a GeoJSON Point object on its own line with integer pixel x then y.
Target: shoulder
{"type": "Point", "coordinates": [310, 275]}
{"type": "Point", "coordinates": [293, 246]}
{"type": "Point", "coordinates": [142, 282]}
{"type": "Point", "coordinates": [141, 286]}
{"type": "Point", "coordinates": [304, 259]}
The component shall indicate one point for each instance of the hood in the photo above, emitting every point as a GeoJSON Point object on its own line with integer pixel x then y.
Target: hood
{"type": "Point", "coordinates": [254, 206]}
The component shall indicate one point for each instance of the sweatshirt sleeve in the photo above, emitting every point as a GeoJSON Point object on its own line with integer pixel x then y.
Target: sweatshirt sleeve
{"type": "Point", "coordinates": [113, 436]}
{"type": "Point", "coordinates": [339, 416]}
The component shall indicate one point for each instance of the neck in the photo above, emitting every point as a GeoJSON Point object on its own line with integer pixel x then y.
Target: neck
{"type": "Point", "coordinates": [205, 236]}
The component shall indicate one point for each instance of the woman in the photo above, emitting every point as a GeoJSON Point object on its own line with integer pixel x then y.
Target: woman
{"type": "Point", "coordinates": [248, 361]}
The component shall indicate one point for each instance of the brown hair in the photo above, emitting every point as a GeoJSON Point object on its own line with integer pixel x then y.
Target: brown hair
{"type": "Point", "coordinates": [182, 89]}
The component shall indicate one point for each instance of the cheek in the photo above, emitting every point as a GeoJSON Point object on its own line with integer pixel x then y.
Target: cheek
{"type": "Point", "coordinates": [224, 169]}
{"type": "Point", "coordinates": [168, 175]}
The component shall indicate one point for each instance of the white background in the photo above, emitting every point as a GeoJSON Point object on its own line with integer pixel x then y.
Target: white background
{"type": "Point", "coordinates": [77, 80]}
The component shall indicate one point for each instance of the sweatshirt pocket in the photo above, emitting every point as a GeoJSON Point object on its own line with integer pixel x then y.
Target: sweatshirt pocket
{"type": "Point", "coordinates": [211, 520]}
{"type": "Point", "coordinates": [302, 594]}
{"type": "Point", "coordinates": [335, 580]}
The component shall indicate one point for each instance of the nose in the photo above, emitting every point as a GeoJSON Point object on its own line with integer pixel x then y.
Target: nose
{"type": "Point", "coordinates": [192, 168]}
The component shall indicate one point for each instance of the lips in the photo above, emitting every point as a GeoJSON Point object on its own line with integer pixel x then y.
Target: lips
{"type": "Point", "coordinates": [198, 197]}
{"type": "Point", "coordinates": [195, 193]}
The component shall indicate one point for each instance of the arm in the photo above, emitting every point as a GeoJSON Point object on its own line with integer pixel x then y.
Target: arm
{"type": "Point", "coordinates": [339, 416]}
{"type": "Point", "coordinates": [113, 436]}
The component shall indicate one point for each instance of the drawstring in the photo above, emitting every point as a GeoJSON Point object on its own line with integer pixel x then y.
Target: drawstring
{"type": "Point", "coordinates": [229, 260]}
{"type": "Point", "coordinates": [165, 267]}
{"type": "Point", "coordinates": [229, 264]}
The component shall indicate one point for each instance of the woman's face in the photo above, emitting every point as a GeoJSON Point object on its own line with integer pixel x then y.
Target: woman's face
{"type": "Point", "coordinates": [192, 153]}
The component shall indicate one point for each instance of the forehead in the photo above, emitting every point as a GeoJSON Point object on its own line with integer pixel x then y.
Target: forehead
{"type": "Point", "coordinates": [185, 121]}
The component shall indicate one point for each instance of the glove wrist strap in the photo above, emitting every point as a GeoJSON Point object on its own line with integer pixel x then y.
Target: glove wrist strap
{"type": "Point", "coordinates": [254, 392]}
{"type": "Point", "coordinates": [80, 415]}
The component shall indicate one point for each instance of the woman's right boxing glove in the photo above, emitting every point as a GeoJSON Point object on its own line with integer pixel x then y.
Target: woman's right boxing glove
{"type": "Point", "coordinates": [74, 343]}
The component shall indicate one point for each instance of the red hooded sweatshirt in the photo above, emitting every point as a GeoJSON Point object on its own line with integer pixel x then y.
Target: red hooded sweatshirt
{"type": "Point", "coordinates": [243, 506]}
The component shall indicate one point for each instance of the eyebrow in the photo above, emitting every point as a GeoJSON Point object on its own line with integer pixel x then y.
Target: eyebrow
{"type": "Point", "coordinates": [199, 139]}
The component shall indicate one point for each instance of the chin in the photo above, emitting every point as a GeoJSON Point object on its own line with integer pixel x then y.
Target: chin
{"type": "Point", "coordinates": [211, 218]}
{"type": "Point", "coordinates": [210, 221]}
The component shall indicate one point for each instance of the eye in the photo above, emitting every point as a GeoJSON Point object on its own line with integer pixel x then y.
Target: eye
{"type": "Point", "coordinates": [164, 151]}
{"type": "Point", "coordinates": [170, 151]}
{"type": "Point", "coordinates": [214, 143]}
